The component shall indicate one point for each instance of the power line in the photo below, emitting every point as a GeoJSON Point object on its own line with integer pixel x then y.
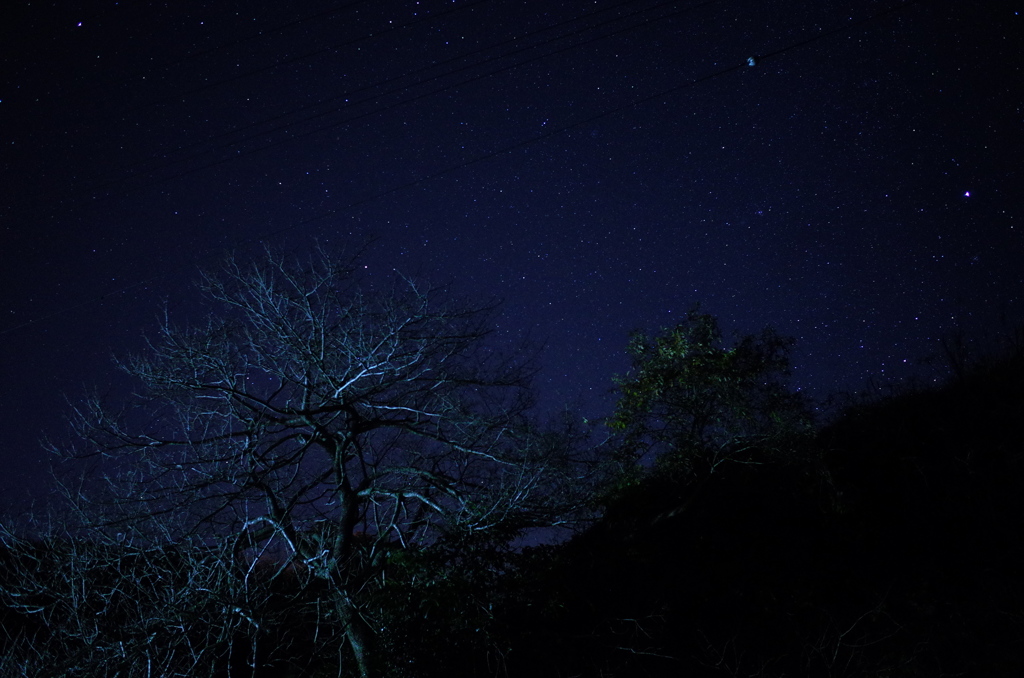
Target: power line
{"type": "Point", "coordinates": [154, 69]}
{"type": "Point", "coordinates": [757, 60]}
{"type": "Point", "coordinates": [382, 109]}
{"type": "Point", "coordinates": [398, 90]}
{"type": "Point", "coordinates": [346, 95]}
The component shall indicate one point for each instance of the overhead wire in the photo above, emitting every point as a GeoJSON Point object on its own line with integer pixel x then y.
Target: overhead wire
{"type": "Point", "coordinates": [91, 191]}
{"type": "Point", "coordinates": [557, 130]}
{"type": "Point", "coordinates": [386, 108]}
{"type": "Point", "coordinates": [322, 50]}
{"type": "Point", "coordinates": [423, 69]}
{"type": "Point", "coordinates": [153, 70]}
{"type": "Point", "coordinates": [28, 202]}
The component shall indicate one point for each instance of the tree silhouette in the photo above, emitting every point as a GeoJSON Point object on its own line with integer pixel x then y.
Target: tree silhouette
{"type": "Point", "coordinates": [703, 403]}
{"type": "Point", "coordinates": [328, 426]}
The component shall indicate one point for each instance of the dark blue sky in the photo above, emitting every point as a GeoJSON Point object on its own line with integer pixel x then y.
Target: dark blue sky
{"type": "Point", "coordinates": [601, 166]}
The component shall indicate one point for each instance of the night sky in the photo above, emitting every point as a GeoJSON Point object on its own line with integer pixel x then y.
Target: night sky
{"type": "Point", "coordinates": [600, 166]}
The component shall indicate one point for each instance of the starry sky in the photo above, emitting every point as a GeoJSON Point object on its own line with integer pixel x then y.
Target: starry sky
{"type": "Point", "coordinates": [600, 166]}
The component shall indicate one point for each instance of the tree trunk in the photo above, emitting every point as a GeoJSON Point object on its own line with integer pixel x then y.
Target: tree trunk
{"type": "Point", "coordinates": [359, 637]}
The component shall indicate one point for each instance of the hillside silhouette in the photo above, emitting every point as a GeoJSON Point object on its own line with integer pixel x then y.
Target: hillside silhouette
{"type": "Point", "coordinates": [887, 542]}
{"type": "Point", "coordinates": [892, 544]}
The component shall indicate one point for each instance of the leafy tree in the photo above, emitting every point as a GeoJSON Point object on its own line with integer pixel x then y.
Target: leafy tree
{"type": "Point", "coordinates": [324, 428]}
{"type": "Point", "coordinates": [698, 402]}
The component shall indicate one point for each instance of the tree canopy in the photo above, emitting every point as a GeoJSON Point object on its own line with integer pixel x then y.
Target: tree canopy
{"type": "Point", "coordinates": [693, 398]}
{"type": "Point", "coordinates": [310, 420]}
{"type": "Point", "coordinates": [328, 477]}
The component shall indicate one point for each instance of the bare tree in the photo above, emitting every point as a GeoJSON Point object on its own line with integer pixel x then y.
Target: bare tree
{"type": "Point", "coordinates": [123, 606]}
{"type": "Point", "coordinates": [325, 426]}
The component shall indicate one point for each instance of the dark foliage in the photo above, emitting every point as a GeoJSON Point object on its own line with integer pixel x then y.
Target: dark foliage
{"type": "Point", "coordinates": [889, 542]}
{"type": "Point", "coordinates": [898, 549]}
